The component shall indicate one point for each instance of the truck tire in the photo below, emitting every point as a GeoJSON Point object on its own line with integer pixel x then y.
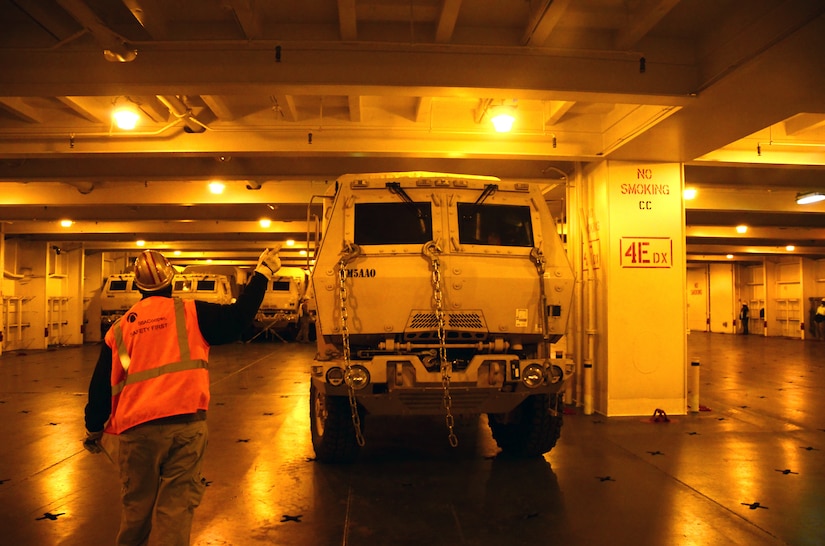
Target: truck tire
{"type": "Point", "coordinates": [333, 433]}
{"type": "Point", "coordinates": [531, 429]}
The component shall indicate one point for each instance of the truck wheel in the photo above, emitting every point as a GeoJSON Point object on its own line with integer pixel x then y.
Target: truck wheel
{"type": "Point", "coordinates": [531, 429]}
{"type": "Point", "coordinates": [333, 434]}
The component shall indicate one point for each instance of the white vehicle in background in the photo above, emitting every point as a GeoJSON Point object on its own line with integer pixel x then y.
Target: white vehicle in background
{"type": "Point", "coordinates": [280, 308]}
{"type": "Point", "coordinates": [119, 293]}
{"type": "Point", "coordinates": [236, 276]}
{"type": "Point", "coordinates": [439, 294]}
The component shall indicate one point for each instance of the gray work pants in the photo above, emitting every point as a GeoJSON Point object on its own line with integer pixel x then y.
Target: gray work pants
{"type": "Point", "coordinates": [160, 473]}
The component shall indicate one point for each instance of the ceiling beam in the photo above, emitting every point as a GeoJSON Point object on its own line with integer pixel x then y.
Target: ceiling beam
{"type": "Point", "coordinates": [115, 47]}
{"type": "Point", "coordinates": [170, 229]}
{"type": "Point", "coordinates": [18, 107]}
{"type": "Point", "coordinates": [247, 17]}
{"type": "Point", "coordinates": [181, 193]}
{"type": "Point", "coordinates": [285, 104]}
{"type": "Point", "coordinates": [642, 20]}
{"type": "Point", "coordinates": [83, 107]}
{"type": "Point", "coordinates": [543, 21]}
{"type": "Point", "coordinates": [336, 69]}
{"type": "Point", "coordinates": [445, 25]}
{"type": "Point", "coordinates": [347, 20]}
{"type": "Point", "coordinates": [354, 104]}
{"type": "Point", "coordinates": [803, 123]}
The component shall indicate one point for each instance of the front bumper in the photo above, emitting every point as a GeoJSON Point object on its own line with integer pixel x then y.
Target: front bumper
{"type": "Point", "coordinates": [402, 385]}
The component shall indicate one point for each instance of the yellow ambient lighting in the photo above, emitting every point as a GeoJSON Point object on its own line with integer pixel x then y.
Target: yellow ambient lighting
{"type": "Point", "coordinates": [125, 115]}
{"type": "Point", "coordinates": [742, 229]}
{"type": "Point", "coordinates": [217, 187]}
{"type": "Point", "coordinates": [809, 197]}
{"type": "Point", "coordinates": [503, 118]}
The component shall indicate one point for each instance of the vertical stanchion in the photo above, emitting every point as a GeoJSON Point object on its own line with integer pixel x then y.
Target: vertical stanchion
{"type": "Point", "coordinates": [693, 385]}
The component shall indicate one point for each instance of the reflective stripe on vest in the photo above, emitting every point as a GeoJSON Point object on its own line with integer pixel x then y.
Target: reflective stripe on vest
{"type": "Point", "coordinates": [185, 362]}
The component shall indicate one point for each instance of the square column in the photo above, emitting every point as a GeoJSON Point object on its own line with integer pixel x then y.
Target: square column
{"type": "Point", "coordinates": [636, 233]}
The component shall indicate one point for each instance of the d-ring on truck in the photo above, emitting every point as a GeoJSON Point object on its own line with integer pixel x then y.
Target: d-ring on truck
{"type": "Point", "coordinates": [439, 294]}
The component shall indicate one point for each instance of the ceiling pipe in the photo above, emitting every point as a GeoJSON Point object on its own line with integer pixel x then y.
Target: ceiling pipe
{"type": "Point", "coordinates": [182, 112]}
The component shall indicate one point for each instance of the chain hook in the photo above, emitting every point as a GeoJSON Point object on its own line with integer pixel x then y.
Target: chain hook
{"type": "Point", "coordinates": [348, 253]}
{"type": "Point", "coordinates": [432, 251]}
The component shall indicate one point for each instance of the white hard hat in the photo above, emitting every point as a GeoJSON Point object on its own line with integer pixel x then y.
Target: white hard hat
{"type": "Point", "coordinates": [153, 271]}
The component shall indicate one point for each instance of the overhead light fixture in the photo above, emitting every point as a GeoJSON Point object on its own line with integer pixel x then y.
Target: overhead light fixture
{"type": "Point", "coordinates": [503, 117]}
{"type": "Point", "coordinates": [125, 114]}
{"type": "Point", "coordinates": [790, 248]}
{"type": "Point", "coordinates": [140, 242]}
{"type": "Point", "coordinates": [66, 223]}
{"type": "Point", "coordinates": [806, 198]}
{"type": "Point", "coordinates": [742, 229]}
{"type": "Point", "coordinates": [264, 222]}
{"type": "Point", "coordinates": [689, 193]}
{"type": "Point", "coordinates": [217, 187]}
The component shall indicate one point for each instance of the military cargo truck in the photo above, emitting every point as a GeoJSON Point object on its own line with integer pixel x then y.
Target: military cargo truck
{"type": "Point", "coordinates": [280, 308]}
{"type": "Point", "coordinates": [439, 294]}
{"type": "Point", "coordinates": [119, 293]}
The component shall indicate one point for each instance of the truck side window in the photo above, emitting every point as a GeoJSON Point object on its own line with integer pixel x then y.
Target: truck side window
{"type": "Point", "coordinates": [393, 223]}
{"type": "Point", "coordinates": [501, 225]}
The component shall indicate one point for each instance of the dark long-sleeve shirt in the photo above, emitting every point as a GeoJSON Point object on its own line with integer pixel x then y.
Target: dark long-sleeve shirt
{"type": "Point", "coordinates": [219, 324]}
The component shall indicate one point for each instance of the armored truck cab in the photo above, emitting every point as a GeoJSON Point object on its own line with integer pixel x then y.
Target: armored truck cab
{"type": "Point", "coordinates": [281, 305]}
{"type": "Point", "coordinates": [120, 292]}
{"type": "Point", "coordinates": [439, 294]}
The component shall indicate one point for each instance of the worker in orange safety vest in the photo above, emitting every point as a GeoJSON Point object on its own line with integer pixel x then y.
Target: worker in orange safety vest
{"type": "Point", "coordinates": [150, 388]}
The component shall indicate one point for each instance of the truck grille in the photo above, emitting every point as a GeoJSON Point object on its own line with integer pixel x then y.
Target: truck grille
{"type": "Point", "coordinates": [460, 326]}
{"type": "Point", "coordinates": [468, 402]}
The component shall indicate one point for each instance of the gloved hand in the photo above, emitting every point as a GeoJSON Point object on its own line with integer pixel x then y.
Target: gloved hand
{"type": "Point", "coordinates": [269, 262]}
{"type": "Point", "coordinates": [92, 441]}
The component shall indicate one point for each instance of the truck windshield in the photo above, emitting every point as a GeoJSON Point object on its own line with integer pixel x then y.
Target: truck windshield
{"type": "Point", "coordinates": [117, 286]}
{"type": "Point", "coordinates": [280, 285]}
{"type": "Point", "coordinates": [393, 223]}
{"type": "Point", "coordinates": [501, 225]}
{"type": "Point", "coordinates": [206, 285]}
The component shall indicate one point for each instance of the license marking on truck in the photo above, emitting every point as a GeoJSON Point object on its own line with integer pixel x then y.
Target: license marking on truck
{"type": "Point", "coordinates": [521, 318]}
{"type": "Point", "coordinates": [360, 273]}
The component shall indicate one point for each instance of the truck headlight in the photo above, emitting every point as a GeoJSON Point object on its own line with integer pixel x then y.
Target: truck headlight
{"type": "Point", "coordinates": [335, 376]}
{"type": "Point", "coordinates": [358, 377]}
{"type": "Point", "coordinates": [532, 375]}
{"type": "Point", "coordinates": [556, 374]}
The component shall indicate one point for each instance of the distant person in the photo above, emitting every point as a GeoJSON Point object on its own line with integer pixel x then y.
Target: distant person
{"type": "Point", "coordinates": [819, 320]}
{"type": "Point", "coordinates": [303, 322]}
{"type": "Point", "coordinates": [150, 387]}
{"type": "Point", "coordinates": [743, 317]}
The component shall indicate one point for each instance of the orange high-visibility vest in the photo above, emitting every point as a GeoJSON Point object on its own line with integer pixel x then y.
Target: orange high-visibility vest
{"type": "Point", "coordinates": [159, 363]}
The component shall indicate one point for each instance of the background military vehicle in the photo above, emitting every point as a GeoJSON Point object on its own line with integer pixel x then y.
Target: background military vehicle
{"type": "Point", "coordinates": [119, 293]}
{"type": "Point", "coordinates": [439, 294]}
{"type": "Point", "coordinates": [280, 308]}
